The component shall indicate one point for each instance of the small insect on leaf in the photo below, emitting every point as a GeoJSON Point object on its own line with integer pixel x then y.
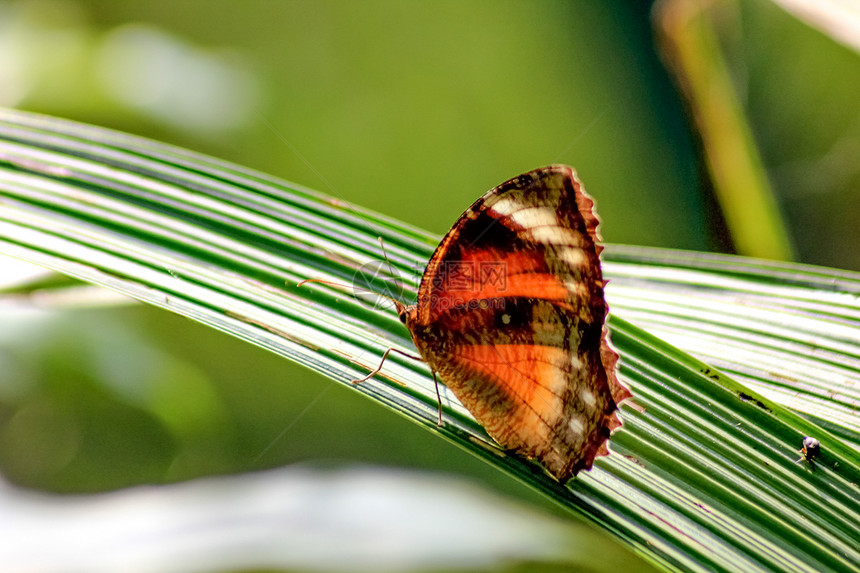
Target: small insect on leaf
{"type": "Point", "coordinates": [810, 449]}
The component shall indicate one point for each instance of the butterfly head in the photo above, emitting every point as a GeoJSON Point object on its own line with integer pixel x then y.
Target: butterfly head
{"type": "Point", "coordinates": [406, 313]}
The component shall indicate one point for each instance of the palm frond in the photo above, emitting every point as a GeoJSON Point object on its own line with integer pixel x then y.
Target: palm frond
{"type": "Point", "coordinates": [704, 479]}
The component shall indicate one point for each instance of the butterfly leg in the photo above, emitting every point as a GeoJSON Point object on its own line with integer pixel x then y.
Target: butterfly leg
{"type": "Point", "coordinates": [438, 397]}
{"type": "Point", "coordinates": [376, 370]}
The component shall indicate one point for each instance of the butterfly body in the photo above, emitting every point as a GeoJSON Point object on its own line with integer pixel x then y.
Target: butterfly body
{"type": "Point", "coordinates": [511, 313]}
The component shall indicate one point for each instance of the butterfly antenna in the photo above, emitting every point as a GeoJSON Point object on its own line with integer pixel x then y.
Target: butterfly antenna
{"type": "Point", "coordinates": [391, 268]}
{"type": "Point", "coordinates": [320, 281]}
{"type": "Point", "coordinates": [343, 286]}
{"type": "Point", "coordinates": [385, 255]}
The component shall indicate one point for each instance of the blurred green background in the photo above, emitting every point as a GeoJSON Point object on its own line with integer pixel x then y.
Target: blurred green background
{"type": "Point", "coordinates": [411, 109]}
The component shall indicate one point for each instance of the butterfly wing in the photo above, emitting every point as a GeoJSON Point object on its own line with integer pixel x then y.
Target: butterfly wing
{"type": "Point", "coordinates": [511, 315]}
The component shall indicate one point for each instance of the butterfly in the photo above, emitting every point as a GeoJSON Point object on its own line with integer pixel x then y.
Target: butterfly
{"type": "Point", "coordinates": [510, 314]}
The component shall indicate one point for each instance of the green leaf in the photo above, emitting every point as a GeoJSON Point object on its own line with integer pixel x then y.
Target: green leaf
{"type": "Point", "coordinates": [705, 478]}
